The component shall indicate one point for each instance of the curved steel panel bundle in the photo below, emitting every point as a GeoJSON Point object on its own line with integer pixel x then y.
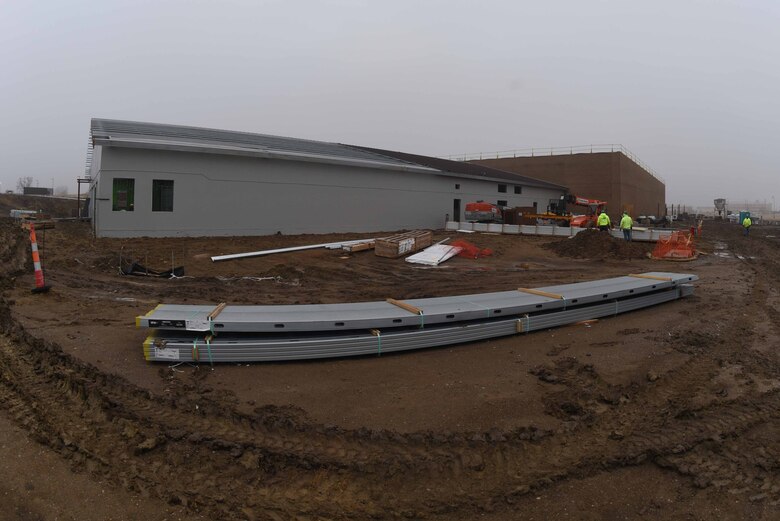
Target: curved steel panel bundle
{"type": "Point", "coordinates": [170, 346]}
{"type": "Point", "coordinates": [398, 314]}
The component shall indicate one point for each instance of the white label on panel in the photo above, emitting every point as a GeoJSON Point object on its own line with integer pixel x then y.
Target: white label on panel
{"type": "Point", "coordinates": [405, 245]}
{"type": "Point", "coordinates": [166, 354]}
{"type": "Point", "coordinates": [197, 325]}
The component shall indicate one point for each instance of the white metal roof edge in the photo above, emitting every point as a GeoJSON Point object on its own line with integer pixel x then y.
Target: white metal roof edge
{"type": "Point", "coordinates": [211, 148]}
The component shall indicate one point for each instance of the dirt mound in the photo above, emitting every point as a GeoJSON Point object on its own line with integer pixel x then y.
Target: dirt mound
{"type": "Point", "coordinates": [593, 244]}
{"type": "Point", "coordinates": [52, 206]}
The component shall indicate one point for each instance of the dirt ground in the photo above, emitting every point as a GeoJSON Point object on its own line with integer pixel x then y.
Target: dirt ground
{"type": "Point", "coordinates": [664, 413]}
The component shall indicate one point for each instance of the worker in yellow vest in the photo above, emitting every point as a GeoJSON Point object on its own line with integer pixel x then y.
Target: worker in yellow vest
{"type": "Point", "coordinates": [626, 224]}
{"type": "Point", "coordinates": [603, 221]}
{"type": "Point", "coordinates": [747, 223]}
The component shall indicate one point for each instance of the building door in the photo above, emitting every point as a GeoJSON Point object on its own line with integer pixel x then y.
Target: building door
{"type": "Point", "coordinates": [456, 210]}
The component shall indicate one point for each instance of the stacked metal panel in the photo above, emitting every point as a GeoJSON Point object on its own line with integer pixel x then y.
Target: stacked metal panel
{"type": "Point", "coordinates": [276, 333]}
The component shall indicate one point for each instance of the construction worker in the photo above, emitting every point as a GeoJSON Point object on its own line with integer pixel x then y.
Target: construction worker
{"type": "Point", "coordinates": [626, 224]}
{"type": "Point", "coordinates": [603, 221]}
{"type": "Point", "coordinates": [747, 223]}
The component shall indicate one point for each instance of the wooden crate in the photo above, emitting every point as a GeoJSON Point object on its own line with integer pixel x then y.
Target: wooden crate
{"type": "Point", "coordinates": [403, 243]}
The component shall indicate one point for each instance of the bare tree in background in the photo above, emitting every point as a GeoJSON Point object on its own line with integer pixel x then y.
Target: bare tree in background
{"type": "Point", "coordinates": [23, 183]}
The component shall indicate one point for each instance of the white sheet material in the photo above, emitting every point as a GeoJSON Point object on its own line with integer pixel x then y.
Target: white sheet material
{"type": "Point", "coordinates": [434, 255]}
{"type": "Point", "coordinates": [329, 245]}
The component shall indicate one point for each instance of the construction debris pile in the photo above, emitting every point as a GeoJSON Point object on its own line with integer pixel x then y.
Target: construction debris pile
{"type": "Point", "coordinates": [593, 244]}
{"type": "Point", "coordinates": [223, 333]}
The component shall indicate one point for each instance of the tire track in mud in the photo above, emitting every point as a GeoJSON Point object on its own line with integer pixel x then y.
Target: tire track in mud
{"type": "Point", "coordinates": [748, 464]}
{"type": "Point", "coordinates": [214, 460]}
{"type": "Point", "coordinates": [493, 470]}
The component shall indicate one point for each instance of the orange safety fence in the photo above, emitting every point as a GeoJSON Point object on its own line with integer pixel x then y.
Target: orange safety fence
{"type": "Point", "coordinates": [470, 251]}
{"type": "Point", "coordinates": [678, 245]}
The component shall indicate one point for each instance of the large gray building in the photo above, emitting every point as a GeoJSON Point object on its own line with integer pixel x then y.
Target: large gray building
{"type": "Point", "coordinates": [165, 181]}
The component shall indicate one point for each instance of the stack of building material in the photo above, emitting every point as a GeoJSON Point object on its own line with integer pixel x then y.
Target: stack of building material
{"type": "Point", "coordinates": [434, 255]}
{"type": "Point", "coordinates": [39, 225]}
{"type": "Point", "coordinates": [354, 248]}
{"type": "Point", "coordinates": [399, 245]}
{"type": "Point", "coordinates": [225, 333]}
{"type": "Point", "coordinates": [19, 214]}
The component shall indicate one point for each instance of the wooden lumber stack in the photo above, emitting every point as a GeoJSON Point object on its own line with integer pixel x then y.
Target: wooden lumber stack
{"type": "Point", "coordinates": [398, 245]}
{"type": "Point", "coordinates": [39, 225]}
{"type": "Point", "coordinates": [353, 248]}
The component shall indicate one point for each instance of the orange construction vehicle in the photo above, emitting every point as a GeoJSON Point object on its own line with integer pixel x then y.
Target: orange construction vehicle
{"type": "Point", "coordinates": [594, 208]}
{"type": "Point", "coordinates": [482, 212]}
{"type": "Point", "coordinates": [557, 211]}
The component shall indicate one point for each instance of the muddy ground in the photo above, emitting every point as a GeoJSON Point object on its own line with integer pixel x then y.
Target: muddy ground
{"type": "Point", "coordinates": [663, 413]}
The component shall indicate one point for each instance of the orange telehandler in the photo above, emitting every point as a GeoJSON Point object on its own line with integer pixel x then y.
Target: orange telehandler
{"type": "Point", "coordinates": [557, 211]}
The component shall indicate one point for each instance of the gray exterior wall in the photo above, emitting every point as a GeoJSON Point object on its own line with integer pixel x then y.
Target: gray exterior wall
{"type": "Point", "coordinates": [235, 195]}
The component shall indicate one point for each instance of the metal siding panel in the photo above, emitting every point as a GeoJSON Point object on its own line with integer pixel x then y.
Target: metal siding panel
{"type": "Point", "coordinates": [380, 314]}
{"type": "Point", "coordinates": [257, 349]}
{"type": "Point", "coordinates": [254, 197]}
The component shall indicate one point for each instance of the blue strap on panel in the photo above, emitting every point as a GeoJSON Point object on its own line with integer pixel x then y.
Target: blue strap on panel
{"type": "Point", "coordinates": [208, 346]}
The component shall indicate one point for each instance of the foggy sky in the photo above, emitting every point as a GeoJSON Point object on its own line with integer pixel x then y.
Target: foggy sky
{"type": "Point", "coordinates": [691, 87]}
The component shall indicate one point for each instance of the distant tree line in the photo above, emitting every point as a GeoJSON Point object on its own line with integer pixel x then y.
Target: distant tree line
{"type": "Point", "coordinates": [23, 183]}
{"type": "Point", "coordinates": [27, 181]}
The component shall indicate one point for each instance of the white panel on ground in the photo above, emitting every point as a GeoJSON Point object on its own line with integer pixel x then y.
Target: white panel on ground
{"type": "Point", "coordinates": [434, 255]}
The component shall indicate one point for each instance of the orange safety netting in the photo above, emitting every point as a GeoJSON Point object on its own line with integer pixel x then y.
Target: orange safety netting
{"type": "Point", "coordinates": [470, 251]}
{"type": "Point", "coordinates": [678, 245]}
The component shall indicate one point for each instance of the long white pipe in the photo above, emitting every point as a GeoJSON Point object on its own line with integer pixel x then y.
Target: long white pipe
{"type": "Point", "coordinates": [285, 250]}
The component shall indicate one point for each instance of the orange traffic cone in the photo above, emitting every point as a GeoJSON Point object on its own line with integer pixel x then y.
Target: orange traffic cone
{"type": "Point", "coordinates": [40, 286]}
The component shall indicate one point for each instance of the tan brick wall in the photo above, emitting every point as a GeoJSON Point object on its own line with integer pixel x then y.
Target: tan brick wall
{"type": "Point", "coordinates": [609, 176]}
{"type": "Point", "coordinates": [639, 188]}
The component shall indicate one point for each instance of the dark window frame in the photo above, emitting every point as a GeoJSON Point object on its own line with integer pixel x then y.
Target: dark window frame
{"type": "Point", "coordinates": [162, 195]}
{"type": "Point", "coordinates": [518, 189]}
{"type": "Point", "coordinates": [502, 203]}
{"type": "Point", "coordinates": [502, 189]}
{"type": "Point", "coordinates": [123, 188]}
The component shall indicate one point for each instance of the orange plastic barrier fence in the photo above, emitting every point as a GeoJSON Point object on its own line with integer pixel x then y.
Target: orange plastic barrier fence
{"type": "Point", "coordinates": [471, 251]}
{"type": "Point", "coordinates": [678, 245]}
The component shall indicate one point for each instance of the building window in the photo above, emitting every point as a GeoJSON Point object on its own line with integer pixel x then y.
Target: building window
{"type": "Point", "coordinates": [457, 186]}
{"type": "Point", "coordinates": [502, 189]}
{"type": "Point", "coordinates": [123, 195]}
{"type": "Point", "coordinates": [162, 195]}
{"type": "Point", "coordinates": [518, 189]}
{"type": "Point", "coordinates": [502, 203]}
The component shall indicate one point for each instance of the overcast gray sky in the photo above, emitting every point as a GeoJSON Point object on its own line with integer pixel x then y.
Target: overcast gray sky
{"type": "Point", "coordinates": [691, 87]}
